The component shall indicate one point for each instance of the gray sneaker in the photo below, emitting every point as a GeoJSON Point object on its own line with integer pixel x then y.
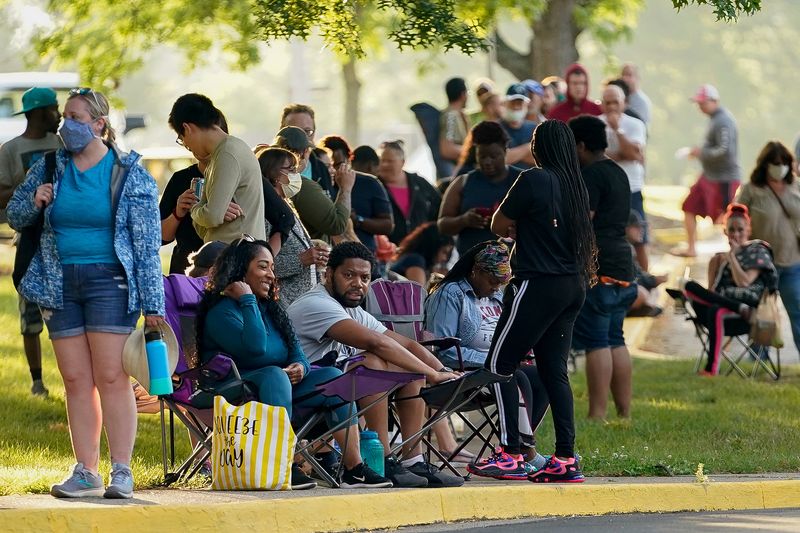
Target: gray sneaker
{"type": "Point", "coordinates": [38, 389]}
{"type": "Point", "coordinates": [434, 477]}
{"type": "Point", "coordinates": [81, 484]}
{"type": "Point", "coordinates": [121, 485]}
{"type": "Point", "coordinates": [399, 475]}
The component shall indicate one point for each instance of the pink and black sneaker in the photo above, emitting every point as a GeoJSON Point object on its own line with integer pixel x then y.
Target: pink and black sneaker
{"type": "Point", "coordinates": [558, 471]}
{"type": "Point", "coordinates": [501, 465]}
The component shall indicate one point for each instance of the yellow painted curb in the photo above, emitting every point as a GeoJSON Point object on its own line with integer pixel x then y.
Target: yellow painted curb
{"type": "Point", "coordinates": [392, 509]}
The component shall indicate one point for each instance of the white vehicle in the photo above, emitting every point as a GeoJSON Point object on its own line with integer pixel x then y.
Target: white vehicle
{"type": "Point", "coordinates": [14, 84]}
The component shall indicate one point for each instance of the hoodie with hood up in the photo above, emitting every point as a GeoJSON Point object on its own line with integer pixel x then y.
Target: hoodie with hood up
{"type": "Point", "coordinates": [570, 108]}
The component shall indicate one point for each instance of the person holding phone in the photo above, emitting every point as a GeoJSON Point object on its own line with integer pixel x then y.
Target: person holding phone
{"type": "Point", "coordinates": [472, 198]}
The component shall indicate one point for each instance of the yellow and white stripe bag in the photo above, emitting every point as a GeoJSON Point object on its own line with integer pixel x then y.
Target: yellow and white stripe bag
{"type": "Point", "coordinates": [252, 447]}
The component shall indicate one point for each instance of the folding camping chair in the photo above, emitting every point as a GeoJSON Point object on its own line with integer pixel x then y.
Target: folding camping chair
{"type": "Point", "coordinates": [195, 385]}
{"type": "Point", "coordinates": [399, 305]}
{"type": "Point", "coordinates": [736, 347]}
{"type": "Point", "coordinates": [355, 384]}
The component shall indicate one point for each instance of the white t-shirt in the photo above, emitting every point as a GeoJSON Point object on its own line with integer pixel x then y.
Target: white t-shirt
{"type": "Point", "coordinates": [315, 312]}
{"type": "Point", "coordinates": [636, 132]}
{"type": "Point", "coordinates": [490, 312]}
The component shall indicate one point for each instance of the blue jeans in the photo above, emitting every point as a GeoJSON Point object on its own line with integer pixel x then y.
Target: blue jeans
{"type": "Point", "coordinates": [95, 299]}
{"type": "Point", "coordinates": [789, 285]}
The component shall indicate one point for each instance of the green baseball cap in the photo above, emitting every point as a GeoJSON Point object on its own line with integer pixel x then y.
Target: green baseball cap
{"type": "Point", "coordinates": [37, 97]}
{"type": "Point", "coordinates": [293, 138]}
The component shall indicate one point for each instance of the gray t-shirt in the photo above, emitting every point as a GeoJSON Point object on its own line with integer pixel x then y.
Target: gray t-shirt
{"type": "Point", "coordinates": [639, 102]}
{"type": "Point", "coordinates": [315, 312]}
{"type": "Point", "coordinates": [18, 155]}
{"type": "Point", "coordinates": [719, 155]}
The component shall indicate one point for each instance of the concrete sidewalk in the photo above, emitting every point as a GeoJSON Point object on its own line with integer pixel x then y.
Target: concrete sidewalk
{"type": "Point", "coordinates": [339, 510]}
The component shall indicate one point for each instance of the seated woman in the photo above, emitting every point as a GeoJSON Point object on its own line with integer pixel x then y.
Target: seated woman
{"type": "Point", "coordinates": [298, 263]}
{"type": "Point", "coordinates": [736, 279]}
{"type": "Point", "coordinates": [240, 316]}
{"type": "Point", "coordinates": [422, 252]}
{"type": "Point", "coordinates": [467, 304]}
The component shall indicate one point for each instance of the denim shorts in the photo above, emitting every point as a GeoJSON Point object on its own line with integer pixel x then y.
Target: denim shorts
{"type": "Point", "coordinates": [599, 324]}
{"type": "Point", "coordinates": [95, 300]}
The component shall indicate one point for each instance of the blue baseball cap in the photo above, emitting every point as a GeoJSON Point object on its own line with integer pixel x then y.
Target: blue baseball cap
{"type": "Point", "coordinates": [37, 97]}
{"type": "Point", "coordinates": [534, 87]}
{"type": "Point", "coordinates": [517, 91]}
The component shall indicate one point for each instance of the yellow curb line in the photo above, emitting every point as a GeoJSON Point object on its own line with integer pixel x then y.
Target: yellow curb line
{"type": "Point", "coordinates": [392, 509]}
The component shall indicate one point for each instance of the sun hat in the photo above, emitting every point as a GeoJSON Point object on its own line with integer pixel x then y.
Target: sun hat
{"type": "Point", "coordinates": [37, 97]}
{"type": "Point", "coordinates": [134, 354]}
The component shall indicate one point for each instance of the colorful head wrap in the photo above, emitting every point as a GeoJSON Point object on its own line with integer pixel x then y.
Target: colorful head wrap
{"type": "Point", "coordinates": [494, 259]}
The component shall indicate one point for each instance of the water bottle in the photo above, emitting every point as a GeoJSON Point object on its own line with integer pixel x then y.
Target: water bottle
{"type": "Point", "coordinates": [372, 451]}
{"type": "Point", "coordinates": [158, 364]}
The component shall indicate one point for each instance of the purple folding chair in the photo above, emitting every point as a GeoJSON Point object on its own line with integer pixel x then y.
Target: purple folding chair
{"type": "Point", "coordinates": [354, 385]}
{"type": "Point", "coordinates": [195, 384]}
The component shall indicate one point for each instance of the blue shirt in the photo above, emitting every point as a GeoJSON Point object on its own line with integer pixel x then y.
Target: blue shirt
{"type": "Point", "coordinates": [82, 217]}
{"type": "Point", "coordinates": [519, 136]}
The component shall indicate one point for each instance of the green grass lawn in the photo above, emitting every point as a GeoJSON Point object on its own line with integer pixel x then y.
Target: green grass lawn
{"type": "Point", "coordinates": [679, 420]}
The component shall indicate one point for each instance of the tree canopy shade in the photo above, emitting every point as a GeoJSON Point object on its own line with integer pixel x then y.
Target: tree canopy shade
{"type": "Point", "coordinates": [108, 39]}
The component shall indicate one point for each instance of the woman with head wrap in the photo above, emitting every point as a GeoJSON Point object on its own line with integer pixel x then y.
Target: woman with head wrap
{"type": "Point", "coordinates": [467, 304]}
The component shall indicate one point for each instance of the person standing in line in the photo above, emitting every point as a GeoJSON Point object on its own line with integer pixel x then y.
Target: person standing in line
{"type": "Point", "coordinates": [553, 261]}
{"type": "Point", "coordinates": [17, 156]}
{"type": "Point", "coordinates": [96, 270]}
{"type": "Point", "coordinates": [598, 329]}
{"type": "Point", "coordinates": [302, 116]}
{"type": "Point", "coordinates": [638, 101]}
{"type": "Point", "coordinates": [773, 198]}
{"type": "Point", "coordinates": [517, 126]}
{"type": "Point", "coordinates": [577, 98]}
{"type": "Point", "coordinates": [453, 124]}
{"type": "Point", "coordinates": [719, 157]}
{"type": "Point", "coordinates": [232, 202]}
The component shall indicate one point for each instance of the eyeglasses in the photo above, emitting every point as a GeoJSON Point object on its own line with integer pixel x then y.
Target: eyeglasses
{"type": "Point", "coordinates": [309, 132]}
{"type": "Point", "coordinates": [180, 142]}
{"type": "Point", "coordinates": [83, 91]}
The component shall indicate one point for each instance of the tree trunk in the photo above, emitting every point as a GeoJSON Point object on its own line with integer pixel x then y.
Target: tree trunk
{"type": "Point", "coordinates": [550, 50]}
{"type": "Point", "coordinates": [352, 96]}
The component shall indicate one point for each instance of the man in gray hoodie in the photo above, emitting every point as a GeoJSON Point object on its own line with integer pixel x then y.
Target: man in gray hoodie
{"type": "Point", "coordinates": [719, 157]}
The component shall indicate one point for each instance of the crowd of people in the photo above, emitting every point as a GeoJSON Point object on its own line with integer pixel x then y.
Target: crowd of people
{"type": "Point", "coordinates": [534, 244]}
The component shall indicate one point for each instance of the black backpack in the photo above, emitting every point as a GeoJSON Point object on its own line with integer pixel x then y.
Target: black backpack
{"type": "Point", "coordinates": [30, 236]}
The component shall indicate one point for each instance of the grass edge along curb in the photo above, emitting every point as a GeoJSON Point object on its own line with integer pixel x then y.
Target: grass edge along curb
{"type": "Point", "coordinates": [392, 509]}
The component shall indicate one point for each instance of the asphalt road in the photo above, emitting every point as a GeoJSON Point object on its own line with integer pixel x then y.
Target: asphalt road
{"type": "Point", "coordinates": [778, 520]}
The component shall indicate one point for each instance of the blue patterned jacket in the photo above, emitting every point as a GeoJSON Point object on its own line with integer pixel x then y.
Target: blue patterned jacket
{"type": "Point", "coordinates": [137, 233]}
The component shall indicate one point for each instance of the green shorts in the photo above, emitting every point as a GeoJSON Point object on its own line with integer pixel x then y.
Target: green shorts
{"type": "Point", "coordinates": [30, 317]}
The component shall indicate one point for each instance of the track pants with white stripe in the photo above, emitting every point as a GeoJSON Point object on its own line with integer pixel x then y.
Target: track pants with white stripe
{"type": "Point", "coordinates": [538, 314]}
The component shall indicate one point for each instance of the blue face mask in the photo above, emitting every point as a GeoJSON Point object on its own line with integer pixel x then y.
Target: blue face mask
{"type": "Point", "coordinates": [76, 135]}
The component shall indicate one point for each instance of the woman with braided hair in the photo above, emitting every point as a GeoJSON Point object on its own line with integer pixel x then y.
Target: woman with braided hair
{"type": "Point", "coordinates": [554, 261]}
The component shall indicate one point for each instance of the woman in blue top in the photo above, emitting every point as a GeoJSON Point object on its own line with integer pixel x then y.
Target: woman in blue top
{"type": "Point", "coordinates": [96, 270]}
{"type": "Point", "coordinates": [240, 316]}
{"type": "Point", "coordinates": [467, 304]}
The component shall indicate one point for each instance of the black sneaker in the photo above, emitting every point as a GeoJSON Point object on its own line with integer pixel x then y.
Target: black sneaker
{"type": "Point", "coordinates": [363, 477]}
{"type": "Point", "coordinates": [329, 463]}
{"type": "Point", "coordinates": [400, 475]}
{"type": "Point", "coordinates": [434, 477]}
{"type": "Point", "coordinates": [300, 481]}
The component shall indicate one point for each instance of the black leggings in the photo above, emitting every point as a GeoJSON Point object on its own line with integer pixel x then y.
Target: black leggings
{"type": "Point", "coordinates": [538, 314]}
{"type": "Point", "coordinates": [714, 311]}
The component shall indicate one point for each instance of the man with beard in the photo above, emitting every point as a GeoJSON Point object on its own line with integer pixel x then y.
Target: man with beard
{"type": "Point", "coordinates": [16, 157]}
{"type": "Point", "coordinates": [329, 318]}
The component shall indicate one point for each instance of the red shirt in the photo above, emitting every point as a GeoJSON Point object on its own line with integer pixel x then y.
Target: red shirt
{"type": "Point", "coordinates": [568, 109]}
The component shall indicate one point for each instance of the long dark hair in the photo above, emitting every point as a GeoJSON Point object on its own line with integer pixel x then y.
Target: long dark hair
{"type": "Point", "coordinates": [773, 151]}
{"type": "Point", "coordinates": [425, 241]}
{"type": "Point", "coordinates": [553, 147]}
{"type": "Point", "coordinates": [462, 268]}
{"type": "Point", "coordinates": [231, 266]}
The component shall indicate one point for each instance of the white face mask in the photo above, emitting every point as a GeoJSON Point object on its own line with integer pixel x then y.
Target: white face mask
{"type": "Point", "coordinates": [293, 187]}
{"type": "Point", "coordinates": [777, 172]}
{"type": "Point", "coordinates": [518, 115]}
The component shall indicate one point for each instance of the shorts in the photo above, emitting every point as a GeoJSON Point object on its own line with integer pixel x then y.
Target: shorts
{"type": "Point", "coordinates": [95, 298]}
{"type": "Point", "coordinates": [709, 198]}
{"type": "Point", "coordinates": [599, 324]}
{"type": "Point", "coordinates": [30, 317]}
{"type": "Point", "coordinates": [637, 204]}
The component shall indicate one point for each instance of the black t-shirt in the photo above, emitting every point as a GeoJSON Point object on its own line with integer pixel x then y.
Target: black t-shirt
{"type": "Point", "coordinates": [187, 240]}
{"type": "Point", "coordinates": [543, 248]}
{"type": "Point", "coordinates": [610, 199]}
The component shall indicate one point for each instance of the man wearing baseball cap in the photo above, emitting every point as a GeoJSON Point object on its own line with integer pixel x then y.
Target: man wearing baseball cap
{"type": "Point", "coordinates": [40, 106]}
{"type": "Point", "coordinates": [536, 94]}
{"type": "Point", "coordinates": [518, 127]}
{"type": "Point", "coordinates": [719, 158]}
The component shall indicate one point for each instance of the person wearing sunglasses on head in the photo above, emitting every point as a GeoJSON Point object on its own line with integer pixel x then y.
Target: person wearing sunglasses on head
{"type": "Point", "coordinates": [96, 270]}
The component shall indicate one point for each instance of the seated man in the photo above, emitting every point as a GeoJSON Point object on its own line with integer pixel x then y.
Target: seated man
{"type": "Point", "coordinates": [329, 318]}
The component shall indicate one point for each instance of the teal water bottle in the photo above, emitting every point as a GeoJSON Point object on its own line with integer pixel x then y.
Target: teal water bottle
{"type": "Point", "coordinates": [372, 451]}
{"type": "Point", "coordinates": [158, 364]}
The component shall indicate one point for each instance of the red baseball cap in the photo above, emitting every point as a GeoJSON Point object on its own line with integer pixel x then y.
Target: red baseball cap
{"type": "Point", "coordinates": [705, 93]}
